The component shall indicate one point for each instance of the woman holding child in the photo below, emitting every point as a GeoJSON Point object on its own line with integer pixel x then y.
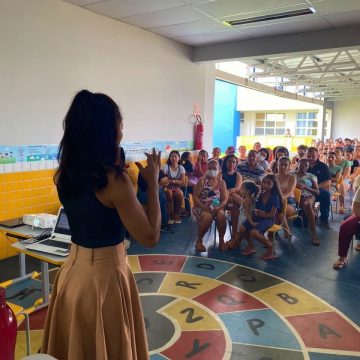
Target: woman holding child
{"type": "Point", "coordinates": [210, 198]}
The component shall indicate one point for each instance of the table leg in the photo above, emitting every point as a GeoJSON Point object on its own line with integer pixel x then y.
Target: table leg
{"type": "Point", "coordinates": [22, 265]}
{"type": "Point", "coordinates": [45, 281]}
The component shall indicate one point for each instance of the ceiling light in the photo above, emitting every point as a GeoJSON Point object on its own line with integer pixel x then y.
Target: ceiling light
{"type": "Point", "coordinates": [283, 15]}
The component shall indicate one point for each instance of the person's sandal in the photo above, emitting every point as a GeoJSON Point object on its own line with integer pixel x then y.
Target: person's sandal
{"type": "Point", "coordinates": [223, 247]}
{"type": "Point", "coordinates": [339, 264]}
{"type": "Point", "coordinates": [232, 245]}
{"type": "Point", "coordinates": [200, 247]}
{"type": "Point", "coordinates": [315, 241]}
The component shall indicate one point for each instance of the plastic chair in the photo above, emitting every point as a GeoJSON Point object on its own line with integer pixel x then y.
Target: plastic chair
{"type": "Point", "coordinates": [186, 194]}
{"type": "Point", "coordinates": [193, 223]}
{"type": "Point", "coordinates": [297, 195]}
{"type": "Point", "coordinates": [337, 193]}
{"type": "Point", "coordinates": [19, 311]}
{"type": "Point", "coordinates": [278, 227]}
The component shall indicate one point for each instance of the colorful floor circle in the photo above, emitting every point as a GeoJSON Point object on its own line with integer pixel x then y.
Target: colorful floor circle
{"type": "Point", "coordinates": [203, 309]}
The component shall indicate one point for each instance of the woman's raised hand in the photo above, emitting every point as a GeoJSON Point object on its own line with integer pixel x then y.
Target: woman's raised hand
{"type": "Point", "coordinates": [150, 173]}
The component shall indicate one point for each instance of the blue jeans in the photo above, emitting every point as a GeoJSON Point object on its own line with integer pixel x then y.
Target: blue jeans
{"type": "Point", "coordinates": [324, 199]}
{"type": "Point", "coordinates": [142, 197]}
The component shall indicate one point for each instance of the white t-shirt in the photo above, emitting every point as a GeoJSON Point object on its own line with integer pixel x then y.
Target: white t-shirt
{"type": "Point", "coordinates": [174, 175]}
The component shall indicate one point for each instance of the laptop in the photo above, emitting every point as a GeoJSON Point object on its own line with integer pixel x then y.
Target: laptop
{"type": "Point", "coordinates": [12, 223]}
{"type": "Point", "coordinates": [59, 241]}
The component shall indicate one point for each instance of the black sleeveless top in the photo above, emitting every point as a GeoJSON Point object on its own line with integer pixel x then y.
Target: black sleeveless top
{"type": "Point", "coordinates": [92, 224]}
{"type": "Point", "coordinates": [230, 180]}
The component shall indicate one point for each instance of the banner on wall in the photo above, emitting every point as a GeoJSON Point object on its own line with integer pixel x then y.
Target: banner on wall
{"type": "Point", "coordinates": [134, 151]}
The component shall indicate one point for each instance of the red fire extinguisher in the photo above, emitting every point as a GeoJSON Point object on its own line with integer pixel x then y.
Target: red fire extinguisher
{"type": "Point", "coordinates": [198, 133]}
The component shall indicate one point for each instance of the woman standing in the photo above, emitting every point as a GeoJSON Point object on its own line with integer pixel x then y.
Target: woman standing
{"type": "Point", "coordinates": [174, 195]}
{"type": "Point", "coordinates": [95, 312]}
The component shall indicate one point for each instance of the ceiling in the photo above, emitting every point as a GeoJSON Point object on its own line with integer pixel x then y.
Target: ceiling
{"type": "Point", "coordinates": [333, 75]}
{"type": "Point", "coordinates": [201, 22]}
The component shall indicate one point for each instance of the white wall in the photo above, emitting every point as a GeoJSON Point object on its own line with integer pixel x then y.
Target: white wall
{"type": "Point", "coordinates": [51, 49]}
{"type": "Point", "coordinates": [253, 100]}
{"type": "Point", "coordinates": [346, 119]}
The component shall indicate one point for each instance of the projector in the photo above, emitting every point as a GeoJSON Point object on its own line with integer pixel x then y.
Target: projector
{"type": "Point", "coordinates": [44, 221]}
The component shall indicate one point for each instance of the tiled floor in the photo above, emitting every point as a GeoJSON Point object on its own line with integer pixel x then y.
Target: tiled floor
{"type": "Point", "coordinates": [303, 264]}
{"type": "Point", "coordinates": [295, 307]}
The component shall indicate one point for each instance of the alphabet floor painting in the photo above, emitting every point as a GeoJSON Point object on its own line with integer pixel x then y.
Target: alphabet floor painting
{"type": "Point", "coordinates": [210, 309]}
{"type": "Point", "coordinates": [204, 309]}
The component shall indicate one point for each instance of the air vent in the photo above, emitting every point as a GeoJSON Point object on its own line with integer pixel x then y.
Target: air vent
{"type": "Point", "coordinates": [283, 15]}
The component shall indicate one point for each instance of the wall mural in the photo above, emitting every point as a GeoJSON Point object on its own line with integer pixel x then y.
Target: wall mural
{"type": "Point", "coordinates": [134, 151]}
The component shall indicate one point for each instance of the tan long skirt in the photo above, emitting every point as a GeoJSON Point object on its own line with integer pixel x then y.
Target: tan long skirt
{"type": "Point", "coordinates": [95, 310]}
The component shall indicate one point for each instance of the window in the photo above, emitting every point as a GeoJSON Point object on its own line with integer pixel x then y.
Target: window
{"type": "Point", "coordinates": [306, 124]}
{"type": "Point", "coordinates": [242, 117]}
{"type": "Point", "coordinates": [270, 124]}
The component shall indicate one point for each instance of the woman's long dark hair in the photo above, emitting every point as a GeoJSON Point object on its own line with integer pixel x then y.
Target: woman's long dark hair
{"type": "Point", "coordinates": [89, 147]}
{"type": "Point", "coordinates": [168, 162]}
{"type": "Point", "coordinates": [275, 189]}
{"type": "Point", "coordinates": [224, 163]}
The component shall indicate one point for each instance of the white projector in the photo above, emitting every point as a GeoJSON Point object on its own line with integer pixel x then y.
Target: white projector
{"type": "Point", "coordinates": [44, 221]}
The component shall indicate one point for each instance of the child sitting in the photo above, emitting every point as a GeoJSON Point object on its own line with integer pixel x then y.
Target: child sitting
{"type": "Point", "coordinates": [248, 192]}
{"type": "Point", "coordinates": [264, 215]}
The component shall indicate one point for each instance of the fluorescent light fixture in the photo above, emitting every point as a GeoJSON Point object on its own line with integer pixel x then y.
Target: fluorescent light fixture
{"type": "Point", "coordinates": [283, 15]}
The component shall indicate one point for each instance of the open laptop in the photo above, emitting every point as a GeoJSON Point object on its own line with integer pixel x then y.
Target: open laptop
{"type": "Point", "coordinates": [59, 241]}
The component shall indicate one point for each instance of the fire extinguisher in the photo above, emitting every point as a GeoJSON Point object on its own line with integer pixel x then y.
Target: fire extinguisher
{"type": "Point", "coordinates": [198, 133]}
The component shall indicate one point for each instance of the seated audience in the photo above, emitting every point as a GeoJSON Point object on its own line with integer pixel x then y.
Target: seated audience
{"type": "Point", "coordinates": [242, 153]}
{"type": "Point", "coordinates": [348, 229]}
{"type": "Point", "coordinates": [250, 170]}
{"type": "Point", "coordinates": [142, 197]}
{"type": "Point", "coordinates": [210, 198]}
{"type": "Point", "coordinates": [233, 182]}
{"type": "Point", "coordinates": [216, 152]}
{"type": "Point", "coordinates": [264, 215]}
{"type": "Point", "coordinates": [185, 161]}
{"type": "Point", "coordinates": [201, 164]}
{"type": "Point", "coordinates": [308, 185]}
{"type": "Point", "coordinates": [335, 174]}
{"type": "Point", "coordinates": [348, 144]}
{"type": "Point", "coordinates": [342, 162]}
{"type": "Point", "coordinates": [357, 152]}
{"type": "Point", "coordinates": [174, 195]}
{"type": "Point", "coordinates": [279, 152]}
{"type": "Point", "coordinates": [263, 159]}
{"type": "Point", "coordinates": [321, 171]}
{"type": "Point", "coordinates": [230, 150]}
{"type": "Point", "coordinates": [257, 146]}
{"type": "Point", "coordinates": [286, 183]}
{"type": "Point", "coordinates": [271, 155]}
{"type": "Point", "coordinates": [247, 199]}
{"type": "Point", "coordinates": [354, 165]}
{"type": "Point", "coordinates": [301, 154]}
